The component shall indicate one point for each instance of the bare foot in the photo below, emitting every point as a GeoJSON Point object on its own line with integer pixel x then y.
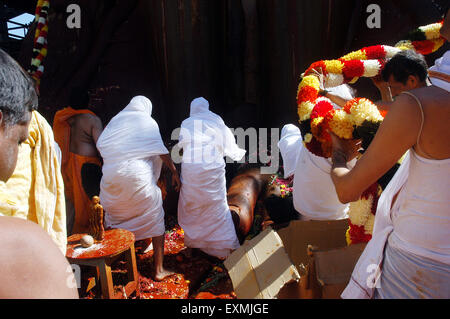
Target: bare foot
{"type": "Point", "coordinates": [161, 275]}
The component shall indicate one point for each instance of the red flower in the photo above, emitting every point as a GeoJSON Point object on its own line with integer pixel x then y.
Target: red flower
{"type": "Point", "coordinates": [349, 104]}
{"type": "Point", "coordinates": [307, 93]}
{"type": "Point", "coordinates": [423, 47]}
{"type": "Point", "coordinates": [315, 147]}
{"type": "Point", "coordinates": [321, 109]}
{"type": "Point", "coordinates": [352, 69]}
{"type": "Point", "coordinates": [375, 52]}
{"type": "Point", "coordinates": [358, 234]}
{"type": "Point", "coordinates": [372, 190]}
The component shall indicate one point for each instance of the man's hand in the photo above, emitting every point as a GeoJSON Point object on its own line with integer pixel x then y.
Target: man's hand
{"type": "Point", "coordinates": [345, 150]}
{"type": "Point", "coordinates": [383, 87]}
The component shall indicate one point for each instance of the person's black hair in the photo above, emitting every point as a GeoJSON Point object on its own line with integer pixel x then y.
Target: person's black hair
{"type": "Point", "coordinates": [17, 93]}
{"type": "Point", "coordinates": [79, 98]}
{"type": "Point", "coordinates": [404, 64]}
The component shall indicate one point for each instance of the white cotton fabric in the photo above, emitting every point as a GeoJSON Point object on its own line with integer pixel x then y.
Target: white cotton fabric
{"type": "Point", "coordinates": [203, 211]}
{"type": "Point", "coordinates": [130, 146]}
{"type": "Point", "coordinates": [314, 194]}
{"type": "Point", "coordinates": [418, 223]}
{"type": "Point", "coordinates": [442, 65]}
{"type": "Point", "coordinates": [290, 145]}
{"type": "Point", "coordinates": [343, 91]}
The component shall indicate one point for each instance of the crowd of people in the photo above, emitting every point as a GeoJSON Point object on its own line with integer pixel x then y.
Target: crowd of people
{"type": "Point", "coordinates": [48, 176]}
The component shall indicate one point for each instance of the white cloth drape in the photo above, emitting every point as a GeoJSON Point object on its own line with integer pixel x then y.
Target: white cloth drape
{"type": "Point", "coordinates": [130, 146]}
{"type": "Point", "coordinates": [418, 223]}
{"type": "Point", "coordinates": [290, 145]}
{"type": "Point", "coordinates": [314, 194]}
{"type": "Point", "coordinates": [203, 211]}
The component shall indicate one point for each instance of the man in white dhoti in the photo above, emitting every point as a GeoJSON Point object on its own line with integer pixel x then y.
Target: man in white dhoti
{"type": "Point", "coordinates": [409, 253]}
{"type": "Point", "coordinates": [133, 153]}
{"type": "Point", "coordinates": [203, 211]}
{"type": "Point", "coordinates": [314, 195]}
{"type": "Point", "coordinates": [290, 145]}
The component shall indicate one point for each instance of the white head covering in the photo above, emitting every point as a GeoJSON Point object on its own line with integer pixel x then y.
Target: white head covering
{"type": "Point", "coordinates": [204, 129]}
{"type": "Point", "coordinates": [199, 105]}
{"type": "Point", "coordinates": [442, 65]}
{"type": "Point", "coordinates": [132, 134]}
{"type": "Point", "coordinates": [290, 145]}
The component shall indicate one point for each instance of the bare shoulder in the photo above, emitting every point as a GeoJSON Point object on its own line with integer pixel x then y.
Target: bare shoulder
{"type": "Point", "coordinates": [29, 257]}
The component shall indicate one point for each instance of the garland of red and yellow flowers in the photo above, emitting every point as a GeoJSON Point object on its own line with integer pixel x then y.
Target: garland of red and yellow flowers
{"type": "Point", "coordinates": [40, 41]}
{"type": "Point", "coordinates": [360, 118]}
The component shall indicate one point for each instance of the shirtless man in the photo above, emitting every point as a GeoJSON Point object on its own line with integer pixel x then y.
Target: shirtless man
{"type": "Point", "coordinates": [77, 130]}
{"type": "Point", "coordinates": [32, 265]}
{"type": "Point", "coordinates": [412, 222]}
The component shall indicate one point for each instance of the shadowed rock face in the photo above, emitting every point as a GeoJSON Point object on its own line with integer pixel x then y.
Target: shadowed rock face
{"type": "Point", "coordinates": [244, 56]}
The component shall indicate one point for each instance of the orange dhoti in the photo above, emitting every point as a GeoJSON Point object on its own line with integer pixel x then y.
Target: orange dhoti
{"type": "Point", "coordinates": [74, 189]}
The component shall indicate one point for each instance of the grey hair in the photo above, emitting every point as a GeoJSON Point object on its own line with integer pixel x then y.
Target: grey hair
{"type": "Point", "coordinates": [17, 93]}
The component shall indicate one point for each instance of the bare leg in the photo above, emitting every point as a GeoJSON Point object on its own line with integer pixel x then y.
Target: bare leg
{"type": "Point", "coordinates": [158, 247]}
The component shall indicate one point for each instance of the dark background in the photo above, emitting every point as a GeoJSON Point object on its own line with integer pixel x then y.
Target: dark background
{"type": "Point", "coordinates": [244, 56]}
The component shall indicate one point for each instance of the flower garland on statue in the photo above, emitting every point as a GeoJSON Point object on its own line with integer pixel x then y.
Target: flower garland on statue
{"type": "Point", "coordinates": [40, 41]}
{"type": "Point", "coordinates": [285, 185]}
{"type": "Point", "coordinates": [359, 119]}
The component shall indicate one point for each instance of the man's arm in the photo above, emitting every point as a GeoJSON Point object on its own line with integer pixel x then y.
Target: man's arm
{"type": "Point", "coordinates": [32, 266]}
{"type": "Point", "coordinates": [386, 97]}
{"type": "Point", "coordinates": [97, 128]}
{"type": "Point", "coordinates": [396, 135]}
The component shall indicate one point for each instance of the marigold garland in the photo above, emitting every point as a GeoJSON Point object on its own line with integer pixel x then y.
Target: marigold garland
{"type": "Point", "coordinates": [40, 41]}
{"type": "Point", "coordinates": [360, 118]}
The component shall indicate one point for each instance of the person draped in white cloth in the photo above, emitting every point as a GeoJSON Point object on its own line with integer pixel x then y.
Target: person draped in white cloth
{"type": "Point", "coordinates": [203, 211]}
{"type": "Point", "coordinates": [409, 253]}
{"type": "Point", "coordinates": [313, 194]}
{"type": "Point", "coordinates": [290, 145]}
{"type": "Point", "coordinates": [133, 153]}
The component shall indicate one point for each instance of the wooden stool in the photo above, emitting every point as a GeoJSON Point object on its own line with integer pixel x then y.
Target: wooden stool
{"type": "Point", "coordinates": [117, 242]}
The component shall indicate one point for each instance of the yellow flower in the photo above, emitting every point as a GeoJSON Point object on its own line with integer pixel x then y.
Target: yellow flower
{"type": "Point", "coordinates": [405, 45]}
{"type": "Point", "coordinates": [304, 110]}
{"type": "Point", "coordinates": [315, 126]}
{"type": "Point", "coordinates": [432, 31]}
{"type": "Point", "coordinates": [334, 66]}
{"type": "Point", "coordinates": [308, 138]}
{"type": "Point", "coordinates": [365, 110]}
{"type": "Point", "coordinates": [347, 237]}
{"type": "Point", "coordinates": [341, 124]}
{"type": "Point", "coordinates": [310, 80]}
{"type": "Point", "coordinates": [355, 55]}
{"type": "Point", "coordinates": [360, 210]}
{"type": "Point", "coordinates": [438, 43]}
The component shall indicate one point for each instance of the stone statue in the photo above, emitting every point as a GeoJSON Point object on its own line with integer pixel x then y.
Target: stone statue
{"type": "Point", "coordinates": [96, 228]}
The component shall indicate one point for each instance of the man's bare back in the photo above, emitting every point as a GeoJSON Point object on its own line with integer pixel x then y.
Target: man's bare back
{"type": "Point", "coordinates": [433, 140]}
{"type": "Point", "coordinates": [84, 133]}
